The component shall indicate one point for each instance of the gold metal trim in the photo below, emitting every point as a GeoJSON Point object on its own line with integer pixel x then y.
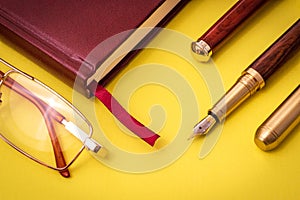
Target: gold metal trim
{"type": "Point", "coordinates": [248, 84]}
{"type": "Point", "coordinates": [280, 123]}
{"type": "Point", "coordinates": [201, 51]}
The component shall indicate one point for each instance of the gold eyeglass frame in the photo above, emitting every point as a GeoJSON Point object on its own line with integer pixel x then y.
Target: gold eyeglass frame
{"type": "Point", "coordinates": [87, 141]}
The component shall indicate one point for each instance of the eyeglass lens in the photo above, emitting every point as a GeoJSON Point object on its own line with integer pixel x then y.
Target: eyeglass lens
{"type": "Point", "coordinates": [32, 120]}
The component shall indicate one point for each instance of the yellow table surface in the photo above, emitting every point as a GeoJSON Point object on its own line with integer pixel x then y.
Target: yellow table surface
{"type": "Point", "coordinates": [235, 168]}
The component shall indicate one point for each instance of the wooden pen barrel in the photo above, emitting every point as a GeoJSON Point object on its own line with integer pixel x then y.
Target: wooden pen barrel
{"type": "Point", "coordinates": [234, 17]}
{"type": "Point", "coordinates": [279, 52]}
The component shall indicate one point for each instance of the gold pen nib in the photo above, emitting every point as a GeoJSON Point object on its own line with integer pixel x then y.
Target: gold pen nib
{"type": "Point", "coordinates": [203, 126]}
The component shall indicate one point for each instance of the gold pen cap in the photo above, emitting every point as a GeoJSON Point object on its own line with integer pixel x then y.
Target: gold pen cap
{"type": "Point", "coordinates": [280, 123]}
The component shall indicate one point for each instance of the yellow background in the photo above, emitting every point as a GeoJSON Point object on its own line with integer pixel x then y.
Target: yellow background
{"type": "Point", "coordinates": [235, 169]}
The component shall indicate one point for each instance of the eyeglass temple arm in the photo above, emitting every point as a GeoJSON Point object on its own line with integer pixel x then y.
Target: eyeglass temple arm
{"type": "Point", "coordinates": [89, 143]}
{"type": "Point", "coordinates": [59, 158]}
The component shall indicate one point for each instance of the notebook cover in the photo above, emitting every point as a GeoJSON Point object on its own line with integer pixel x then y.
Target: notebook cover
{"type": "Point", "coordinates": [63, 32]}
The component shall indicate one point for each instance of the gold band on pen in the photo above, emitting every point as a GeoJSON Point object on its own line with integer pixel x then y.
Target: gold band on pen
{"type": "Point", "coordinates": [201, 51]}
{"type": "Point", "coordinates": [248, 84]}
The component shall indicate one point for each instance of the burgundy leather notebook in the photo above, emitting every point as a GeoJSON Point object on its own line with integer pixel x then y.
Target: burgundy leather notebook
{"type": "Point", "coordinates": [63, 32]}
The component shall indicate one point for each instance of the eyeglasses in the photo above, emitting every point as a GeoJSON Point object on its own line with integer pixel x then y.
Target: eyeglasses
{"type": "Point", "coordinates": [41, 124]}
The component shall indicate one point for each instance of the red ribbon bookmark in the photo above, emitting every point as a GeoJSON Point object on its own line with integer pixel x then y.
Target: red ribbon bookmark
{"type": "Point", "coordinates": [124, 117]}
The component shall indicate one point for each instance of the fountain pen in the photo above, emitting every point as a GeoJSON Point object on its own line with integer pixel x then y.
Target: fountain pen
{"type": "Point", "coordinates": [252, 79]}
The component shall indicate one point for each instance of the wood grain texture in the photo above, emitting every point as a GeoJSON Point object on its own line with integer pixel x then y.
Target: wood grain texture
{"type": "Point", "coordinates": [233, 18]}
{"type": "Point", "coordinates": [279, 52]}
